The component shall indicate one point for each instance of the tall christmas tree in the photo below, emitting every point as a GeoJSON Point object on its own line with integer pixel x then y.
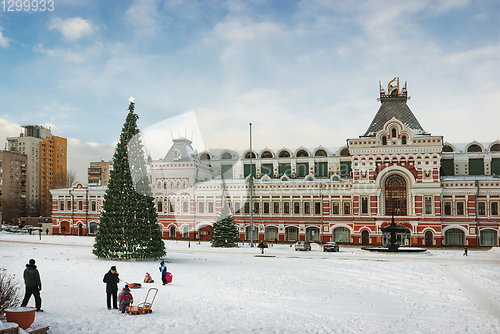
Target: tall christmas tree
{"type": "Point", "coordinates": [225, 230]}
{"type": "Point", "coordinates": [128, 226]}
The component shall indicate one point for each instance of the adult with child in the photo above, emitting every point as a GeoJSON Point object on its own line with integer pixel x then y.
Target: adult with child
{"type": "Point", "coordinates": [111, 279]}
{"type": "Point", "coordinates": [33, 285]}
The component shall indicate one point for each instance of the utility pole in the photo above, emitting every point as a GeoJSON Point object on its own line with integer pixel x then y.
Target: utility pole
{"type": "Point", "coordinates": [477, 217]}
{"type": "Point", "coordinates": [250, 183]}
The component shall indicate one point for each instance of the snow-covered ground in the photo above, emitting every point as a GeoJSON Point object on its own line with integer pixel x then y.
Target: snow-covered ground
{"type": "Point", "coordinates": [238, 291]}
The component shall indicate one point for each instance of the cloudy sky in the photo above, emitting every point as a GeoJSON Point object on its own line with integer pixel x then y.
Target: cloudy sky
{"type": "Point", "coordinates": [305, 73]}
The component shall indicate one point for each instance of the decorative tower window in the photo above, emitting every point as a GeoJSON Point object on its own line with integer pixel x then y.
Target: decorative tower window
{"type": "Point", "coordinates": [364, 205]}
{"type": "Point", "coordinates": [428, 205]}
{"type": "Point", "coordinates": [384, 140]}
{"type": "Point", "coordinates": [395, 196]}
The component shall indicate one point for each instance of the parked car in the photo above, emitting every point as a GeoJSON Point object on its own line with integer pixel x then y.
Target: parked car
{"type": "Point", "coordinates": [302, 246]}
{"type": "Point", "coordinates": [331, 247]}
{"type": "Point", "coordinates": [25, 229]}
{"type": "Point", "coordinates": [12, 229]}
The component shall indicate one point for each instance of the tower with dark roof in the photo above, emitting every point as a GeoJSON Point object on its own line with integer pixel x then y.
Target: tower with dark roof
{"type": "Point", "coordinates": [394, 105]}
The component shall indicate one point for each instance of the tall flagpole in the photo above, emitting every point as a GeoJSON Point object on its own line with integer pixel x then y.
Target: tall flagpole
{"type": "Point", "coordinates": [250, 182]}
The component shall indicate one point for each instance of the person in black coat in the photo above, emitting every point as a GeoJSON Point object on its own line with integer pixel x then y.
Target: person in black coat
{"type": "Point", "coordinates": [33, 285]}
{"type": "Point", "coordinates": [111, 279]}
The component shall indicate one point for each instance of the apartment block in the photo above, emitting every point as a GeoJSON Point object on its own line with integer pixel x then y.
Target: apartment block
{"type": "Point", "coordinates": [12, 184]}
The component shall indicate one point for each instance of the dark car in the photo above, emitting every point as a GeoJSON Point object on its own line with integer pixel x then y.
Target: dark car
{"type": "Point", "coordinates": [331, 247]}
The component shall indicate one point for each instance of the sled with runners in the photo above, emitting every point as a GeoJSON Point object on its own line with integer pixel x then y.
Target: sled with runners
{"type": "Point", "coordinates": [144, 307]}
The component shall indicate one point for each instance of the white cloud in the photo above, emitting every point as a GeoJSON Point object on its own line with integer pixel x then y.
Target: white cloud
{"type": "Point", "coordinates": [239, 35]}
{"type": "Point", "coordinates": [8, 129]}
{"type": "Point", "coordinates": [73, 28]}
{"type": "Point", "coordinates": [4, 41]}
{"type": "Point", "coordinates": [74, 55]}
{"type": "Point", "coordinates": [143, 15]}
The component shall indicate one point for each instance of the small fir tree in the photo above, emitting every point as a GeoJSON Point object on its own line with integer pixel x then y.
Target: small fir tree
{"type": "Point", "coordinates": [128, 226]}
{"type": "Point", "coordinates": [225, 230]}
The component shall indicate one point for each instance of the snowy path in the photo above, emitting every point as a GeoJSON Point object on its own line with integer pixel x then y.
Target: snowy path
{"type": "Point", "coordinates": [237, 291]}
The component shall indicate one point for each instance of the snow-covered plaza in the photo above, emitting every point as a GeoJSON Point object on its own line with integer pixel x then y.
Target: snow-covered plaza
{"type": "Point", "coordinates": [240, 291]}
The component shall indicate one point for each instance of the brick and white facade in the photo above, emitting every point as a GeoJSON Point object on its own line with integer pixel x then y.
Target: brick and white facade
{"type": "Point", "coordinates": [443, 196]}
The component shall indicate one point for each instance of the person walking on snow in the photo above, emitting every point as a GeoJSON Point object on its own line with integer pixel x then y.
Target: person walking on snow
{"type": "Point", "coordinates": [465, 251]}
{"type": "Point", "coordinates": [126, 298]}
{"type": "Point", "coordinates": [111, 279]}
{"type": "Point", "coordinates": [33, 285]}
{"type": "Point", "coordinates": [163, 270]}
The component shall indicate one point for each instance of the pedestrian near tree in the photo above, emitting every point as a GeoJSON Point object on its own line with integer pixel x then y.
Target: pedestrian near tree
{"type": "Point", "coordinates": [111, 279]}
{"type": "Point", "coordinates": [465, 251]}
{"type": "Point", "coordinates": [163, 270]}
{"type": "Point", "coordinates": [33, 285]}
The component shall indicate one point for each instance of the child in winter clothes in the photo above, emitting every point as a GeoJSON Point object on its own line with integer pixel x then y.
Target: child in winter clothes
{"type": "Point", "coordinates": [163, 270]}
{"type": "Point", "coordinates": [125, 298]}
{"type": "Point", "coordinates": [148, 279]}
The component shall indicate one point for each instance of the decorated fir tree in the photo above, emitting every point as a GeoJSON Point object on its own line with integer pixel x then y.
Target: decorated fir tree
{"type": "Point", "coordinates": [128, 226]}
{"type": "Point", "coordinates": [225, 230]}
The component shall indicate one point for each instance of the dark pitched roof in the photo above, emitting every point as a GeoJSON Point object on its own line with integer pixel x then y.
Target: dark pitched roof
{"type": "Point", "coordinates": [393, 107]}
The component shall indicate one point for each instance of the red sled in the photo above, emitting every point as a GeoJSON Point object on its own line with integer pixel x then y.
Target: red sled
{"type": "Point", "coordinates": [169, 277]}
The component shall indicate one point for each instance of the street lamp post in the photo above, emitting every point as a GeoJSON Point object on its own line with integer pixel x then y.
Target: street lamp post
{"type": "Point", "coordinates": [250, 182]}
{"type": "Point", "coordinates": [40, 226]}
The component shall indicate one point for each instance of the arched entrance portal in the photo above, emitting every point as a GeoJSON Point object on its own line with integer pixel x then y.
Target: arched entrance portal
{"type": "Point", "coordinates": [205, 233]}
{"type": "Point", "coordinates": [291, 233]}
{"type": "Point", "coordinates": [312, 234]}
{"type": "Point", "coordinates": [186, 232]}
{"type": "Point", "coordinates": [429, 239]}
{"type": "Point", "coordinates": [489, 238]}
{"type": "Point", "coordinates": [365, 237]}
{"type": "Point", "coordinates": [255, 233]}
{"type": "Point", "coordinates": [65, 227]}
{"type": "Point", "coordinates": [80, 229]}
{"type": "Point", "coordinates": [171, 232]}
{"type": "Point", "coordinates": [271, 233]}
{"type": "Point", "coordinates": [395, 196]}
{"type": "Point", "coordinates": [341, 234]}
{"type": "Point", "coordinates": [454, 237]}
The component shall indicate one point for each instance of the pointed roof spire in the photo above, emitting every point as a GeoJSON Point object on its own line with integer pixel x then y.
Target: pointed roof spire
{"type": "Point", "coordinates": [393, 105]}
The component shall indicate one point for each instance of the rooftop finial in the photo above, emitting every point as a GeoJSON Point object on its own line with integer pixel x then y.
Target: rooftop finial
{"type": "Point", "coordinates": [393, 90]}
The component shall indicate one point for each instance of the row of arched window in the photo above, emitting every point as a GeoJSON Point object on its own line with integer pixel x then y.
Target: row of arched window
{"type": "Point", "coordinates": [284, 153]}
{"type": "Point", "coordinates": [172, 184]}
{"type": "Point", "coordinates": [473, 148]}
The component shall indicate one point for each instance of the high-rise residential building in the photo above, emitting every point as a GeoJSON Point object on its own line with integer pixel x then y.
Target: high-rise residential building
{"type": "Point", "coordinates": [46, 165]}
{"type": "Point", "coordinates": [12, 185]}
{"type": "Point", "coordinates": [98, 173]}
